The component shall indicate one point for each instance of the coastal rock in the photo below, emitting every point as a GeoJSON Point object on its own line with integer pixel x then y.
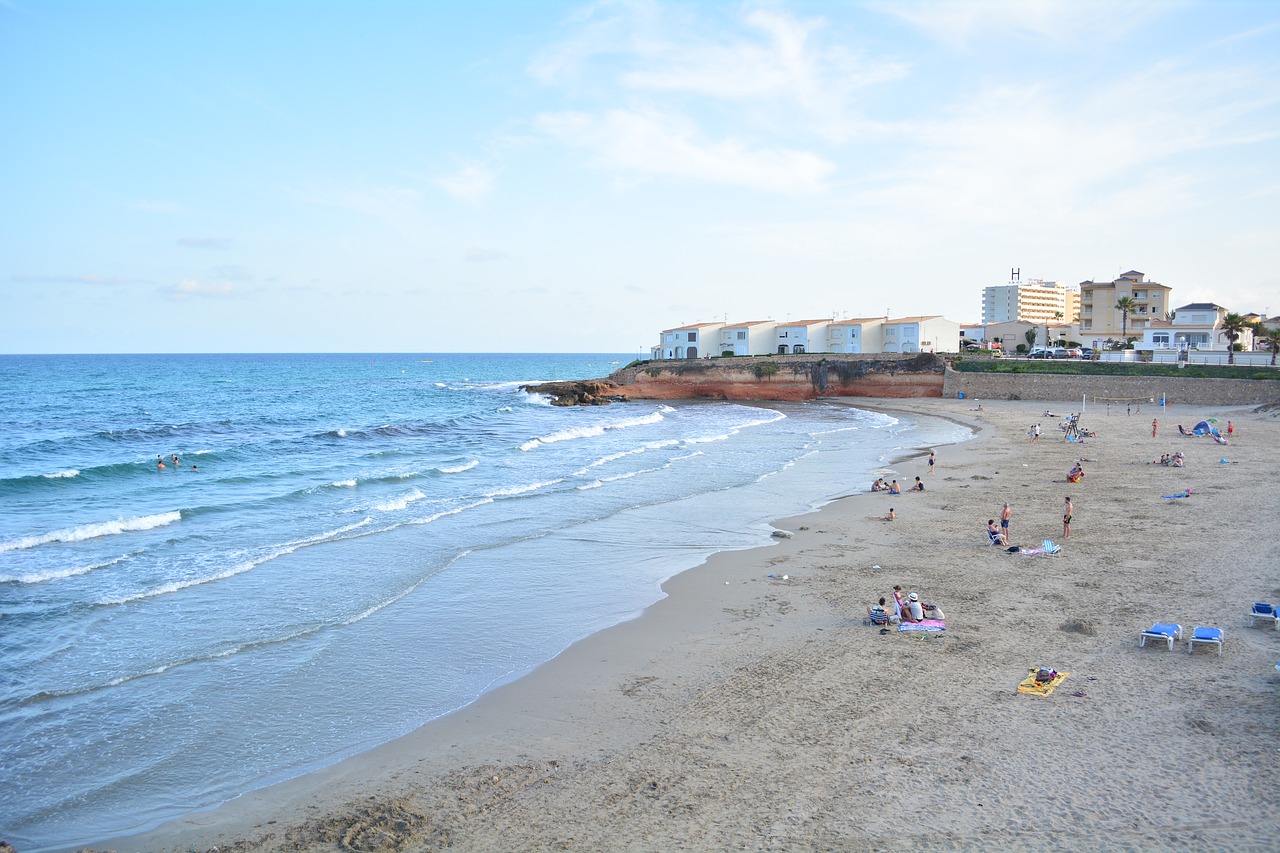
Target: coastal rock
{"type": "Point", "coordinates": [585, 392]}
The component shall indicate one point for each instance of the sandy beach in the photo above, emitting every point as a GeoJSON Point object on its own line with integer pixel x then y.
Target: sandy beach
{"type": "Point", "coordinates": [750, 712]}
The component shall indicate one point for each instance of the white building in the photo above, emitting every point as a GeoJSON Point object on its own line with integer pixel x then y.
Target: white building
{"type": "Point", "coordinates": [855, 335]}
{"type": "Point", "coordinates": [930, 333]}
{"type": "Point", "coordinates": [1031, 301]}
{"type": "Point", "coordinates": [755, 337]}
{"type": "Point", "coordinates": [801, 336]}
{"type": "Point", "coordinates": [694, 341]}
{"type": "Point", "coordinates": [1197, 326]}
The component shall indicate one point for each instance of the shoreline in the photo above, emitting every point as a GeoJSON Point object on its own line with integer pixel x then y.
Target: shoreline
{"type": "Point", "coordinates": [738, 694]}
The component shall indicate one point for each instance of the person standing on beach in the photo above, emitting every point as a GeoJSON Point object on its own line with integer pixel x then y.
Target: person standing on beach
{"type": "Point", "coordinates": [1005, 515]}
{"type": "Point", "coordinates": [1154, 424]}
{"type": "Point", "coordinates": [933, 458]}
{"type": "Point", "coordinates": [1231, 428]}
{"type": "Point", "coordinates": [1067, 511]}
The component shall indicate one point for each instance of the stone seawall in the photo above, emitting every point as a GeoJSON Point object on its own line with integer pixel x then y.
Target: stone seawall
{"type": "Point", "coordinates": [1064, 387]}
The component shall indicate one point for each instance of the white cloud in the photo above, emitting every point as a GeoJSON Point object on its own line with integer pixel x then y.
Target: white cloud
{"type": "Point", "coordinates": [477, 255]}
{"type": "Point", "coordinates": [1064, 22]}
{"type": "Point", "coordinates": [648, 143]}
{"type": "Point", "coordinates": [189, 287]}
{"type": "Point", "coordinates": [218, 243]}
{"type": "Point", "coordinates": [470, 183]}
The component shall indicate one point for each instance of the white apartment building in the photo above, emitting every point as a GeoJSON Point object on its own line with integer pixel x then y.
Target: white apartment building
{"type": "Point", "coordinates": [755, 337]}
{"type": "Point", "coordinates": [855, 335]}
{"type": "Point", "coordinates": [697, 340]}
{"type": "Point", "coordinates": [801, 336]}
{"type": "Point", "coordinates": [1031, 301]}
{"type": "Point", "coordinates": [1197, 326]}
{"type": "Point", "coordinates": [932, 333]}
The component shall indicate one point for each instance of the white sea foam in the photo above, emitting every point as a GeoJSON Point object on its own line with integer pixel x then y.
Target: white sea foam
{"type": "Point", "coordinates": [594, 484]}
{"type": "Point", "coordinates": [239, 568]}
{"type": "Point", "coordinates": [93, 530]}
{"type": "Point", "coordinates": [59, 574]}
{"type": "Point", "coordinates": [535, 399]}
{"type": "Point", "coordinates": [340, 432]}
{"type": "Point", "coordinates": [58, 475]}
{"type": "Point", "coordinates": [590, 431]}
{"type": "Point", "coordinates": [458, 469]}
{"type": "Point", "coordinates": [401, 502]}
{"type": "Point", "coordinates": [521, 490]}
{"type": "Point", "coordinates": [344, 484]}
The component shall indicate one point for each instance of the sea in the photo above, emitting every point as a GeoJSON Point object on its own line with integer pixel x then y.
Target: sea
{"type": "Point", "coordinates": [218, 572]}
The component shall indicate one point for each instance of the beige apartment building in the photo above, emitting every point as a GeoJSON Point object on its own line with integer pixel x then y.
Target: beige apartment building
{"type": "Point", "coordinates": [1031, 301]}
{"type": "Point", "coordinates": [1099, 317]}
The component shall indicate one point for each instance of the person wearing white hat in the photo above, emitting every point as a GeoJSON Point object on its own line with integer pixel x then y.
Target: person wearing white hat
{"type": "Point", "coordinates": [914, 611]}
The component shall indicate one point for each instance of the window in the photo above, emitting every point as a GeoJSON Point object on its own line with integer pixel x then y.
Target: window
{"type": "Point", "coordinates": [693, 336]}
{"type": "Point", "coordinates": [1162, 338]}
{"type": "Point", "coordinates": [742, 336]}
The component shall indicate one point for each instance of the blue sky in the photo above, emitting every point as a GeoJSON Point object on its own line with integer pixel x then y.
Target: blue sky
{"type": "Point", "coordinates": [560, 176]}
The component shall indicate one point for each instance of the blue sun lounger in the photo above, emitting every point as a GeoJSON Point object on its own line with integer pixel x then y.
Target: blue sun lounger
{"type": "Point", "coordinates": [1212, 636]}
{"type": "Point", "coordinates": [1164, 631]}
{"type": "Point", "coordinates": [1263, 610]}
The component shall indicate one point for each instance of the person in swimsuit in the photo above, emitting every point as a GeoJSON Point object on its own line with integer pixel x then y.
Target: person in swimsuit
{"type": "Point", "coordinates": [894, 488]}
{"type": "Point", "coordinates": [1067, 510]}
{"type": "Point", "coordinates": [1005, 515]}
{"type": "Point", "coordinates": [933, 458]}
{"type": "Point", "coordinates": [919, 486]}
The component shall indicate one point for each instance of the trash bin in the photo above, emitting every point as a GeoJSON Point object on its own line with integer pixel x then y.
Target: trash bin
{"type": "Point", "coordinates": [959, 395]}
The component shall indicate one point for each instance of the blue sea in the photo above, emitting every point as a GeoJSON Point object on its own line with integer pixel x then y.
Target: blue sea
{"type": "Point", "coordinates": [347, 547]}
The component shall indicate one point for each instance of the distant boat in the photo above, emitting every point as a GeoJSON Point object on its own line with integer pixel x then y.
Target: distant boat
{"type": "Point", "coordinates": [613, 362]}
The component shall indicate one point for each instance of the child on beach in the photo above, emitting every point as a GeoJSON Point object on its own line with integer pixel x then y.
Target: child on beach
{"type": "Point", "coordinates": [1067, 511]}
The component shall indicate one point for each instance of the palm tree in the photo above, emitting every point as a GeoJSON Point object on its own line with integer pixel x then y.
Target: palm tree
{"type": "Point", "coordinates": [1030, 335]}
{"type": "Point", "coordinates": [1232, 326]}
{"type": "Point", "coordinates": [1124, 305]}
{"type": "Point", "coordinates": [1272, 337]}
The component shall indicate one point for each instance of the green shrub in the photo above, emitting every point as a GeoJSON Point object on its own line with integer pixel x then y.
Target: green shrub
{"type": "Point", "coordinates": [765, 370]}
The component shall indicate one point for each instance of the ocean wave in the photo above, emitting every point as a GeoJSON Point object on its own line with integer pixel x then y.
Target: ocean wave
{"type": "Point", "coordinates": [590, 431]}
{"type": "Point", "coordinates": [458, 469]}
{"type": "Point", "coordinates": [59, 475]}
{"type": "Point", "coordinates": [93, 530]}
{"type": "Point", "coordinates": [344, 483]}
{"type": "Point", "coordinates": [59, 574]}
{"type": "Point", "coordinates": [533, 398]}
{"type": "Point", "coordinates": [521, 490]}
{"type": "Point", "coordinates": [237, 569]}
{"type": "Point", "coordinates": [397, 504]}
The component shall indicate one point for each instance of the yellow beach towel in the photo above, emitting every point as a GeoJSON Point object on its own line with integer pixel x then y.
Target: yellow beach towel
{"type": "Point", "coordinates": [1040, 688]}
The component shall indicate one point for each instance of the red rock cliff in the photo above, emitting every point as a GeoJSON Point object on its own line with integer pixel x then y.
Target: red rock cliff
{"type": "Point", "coordinates": [784, 377]}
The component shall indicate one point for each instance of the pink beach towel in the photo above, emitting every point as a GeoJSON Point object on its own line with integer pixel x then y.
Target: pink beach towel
{"type": "Point", "coordinates": [926, 625]}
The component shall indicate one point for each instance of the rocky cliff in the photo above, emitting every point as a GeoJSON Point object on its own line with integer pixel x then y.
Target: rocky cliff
{"type": "Point", "coordinates": [783, 377]}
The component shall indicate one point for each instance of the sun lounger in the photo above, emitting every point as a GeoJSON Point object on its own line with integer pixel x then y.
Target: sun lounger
{"type": "Point", "coordinates": [1262, 610]}
{"type": "Point", "coordinates": [1212, 636]}
{"type": "Point", "coordinates": [1165, 631]}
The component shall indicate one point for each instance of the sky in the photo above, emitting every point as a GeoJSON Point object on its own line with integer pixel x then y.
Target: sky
{"type": "Point", "coordinates": [545, 176]}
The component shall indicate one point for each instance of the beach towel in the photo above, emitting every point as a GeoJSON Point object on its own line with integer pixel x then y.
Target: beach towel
{"type": "Point", "coordinates": [1032, 687]}
{"type": "Point", "coordinates": [1185, 494]}
{"type": "Point", "coordinates": [928, 625]}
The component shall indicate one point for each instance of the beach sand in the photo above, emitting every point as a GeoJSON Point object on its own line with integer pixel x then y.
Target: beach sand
{"type": "Point", "coordinates": [748, 712]}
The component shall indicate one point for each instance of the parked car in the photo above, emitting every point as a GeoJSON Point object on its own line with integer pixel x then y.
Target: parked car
{"type": "Point", "coordinates": [1039, 352]}
{"type": "Point", "coordinates": [1074, 352]}
{"type": "Point", "coordinates": [1058, 352]}
{"type": "Point", "coordinates": [1086, 352]}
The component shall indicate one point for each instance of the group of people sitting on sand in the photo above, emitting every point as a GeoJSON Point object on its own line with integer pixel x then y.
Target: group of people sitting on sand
{"type": "Point", "coordinates": [906, 607]}
{"type": "Point", "coordinates": [1076, 474]}
{"type": "Point", "coordinates": [1173, 460]}
{"type": "Point", "coordinates": [893, 488]}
